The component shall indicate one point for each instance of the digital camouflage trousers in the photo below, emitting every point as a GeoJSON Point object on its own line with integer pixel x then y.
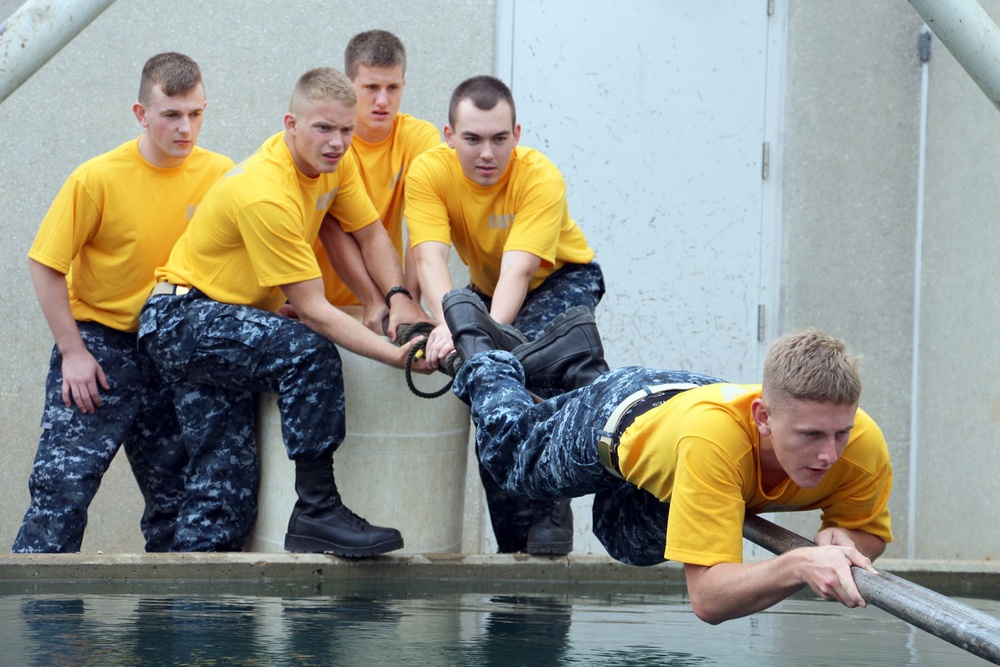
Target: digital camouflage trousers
{"type": "Point", "coordinates": [572, 285]}
{"type": "Point", "coordinates": [217, 356]}
{"type": "Point", "coordinates": [76, 448]}
{"type": "Point", "coordinates": [549, 449]}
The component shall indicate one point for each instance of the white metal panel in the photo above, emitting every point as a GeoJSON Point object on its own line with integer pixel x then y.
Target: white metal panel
{"type": "Point", "coordinates": [655, 113]}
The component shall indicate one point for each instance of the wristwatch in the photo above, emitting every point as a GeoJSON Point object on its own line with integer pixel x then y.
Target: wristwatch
{"type": "Point", "coordinates": [393, 291]}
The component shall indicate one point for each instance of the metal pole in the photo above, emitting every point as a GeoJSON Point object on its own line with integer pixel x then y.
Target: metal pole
{"type": "Point", "coordinates": [36, 32]}
{"type": "Point", "coordinates": [969, 33]}
{"type": "Point", "coordinates": [966, 627]}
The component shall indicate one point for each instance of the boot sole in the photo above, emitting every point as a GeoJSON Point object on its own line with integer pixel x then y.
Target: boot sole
{"type": "Point", "coordinates": [549, 548]}
{"type": "Point", "coordinates": [311, 545]}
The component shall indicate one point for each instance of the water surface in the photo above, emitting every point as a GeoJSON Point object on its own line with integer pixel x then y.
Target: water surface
{"type": "Point", "coordinates": [437, 623]}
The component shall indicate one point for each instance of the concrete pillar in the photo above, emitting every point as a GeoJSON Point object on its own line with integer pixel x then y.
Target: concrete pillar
{"type": "Point", "coordinates": [402, 463]}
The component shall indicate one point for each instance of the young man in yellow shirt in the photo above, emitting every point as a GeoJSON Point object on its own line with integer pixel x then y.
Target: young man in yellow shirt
{"type": "Point", "coordinates": [112, 223]}
{"type": "Point", "coordinates": [504, 208]}
{"type": "Point", "coordinates": [677, 459]}
{"type": "Point", "coordinates": [385, 144]}
{"type": "Point", "coordinates": [213, 328]}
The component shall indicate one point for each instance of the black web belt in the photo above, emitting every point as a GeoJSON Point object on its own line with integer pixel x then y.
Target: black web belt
{"type": "Point", "coordinates": [627, 412]}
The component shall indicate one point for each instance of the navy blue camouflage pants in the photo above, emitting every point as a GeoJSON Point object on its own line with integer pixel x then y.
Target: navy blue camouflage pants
{"type": "Point", "coordinates": [76, 448]}
{"type": "Point", "coordinates": [549, 449]}
{"type": "Point", "coordinates": [572, 285]}
{"type": "Point", "coordinates": [217, 355]}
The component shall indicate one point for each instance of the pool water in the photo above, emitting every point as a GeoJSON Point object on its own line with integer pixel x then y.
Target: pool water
{"type": "Point", "coordinates": [438, 623]}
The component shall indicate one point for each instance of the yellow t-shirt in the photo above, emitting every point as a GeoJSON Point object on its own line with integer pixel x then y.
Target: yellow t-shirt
{"type": "Point", "coordinates": [525, 210]}
{"type": "Point", "coordinates": [383, 167]}
{"type": "Point", "coordinates": [255, 229]}
{"type": "Point", "coordinates": [700, 451]}
{"type": "Point", "coordinates": [114, 221]}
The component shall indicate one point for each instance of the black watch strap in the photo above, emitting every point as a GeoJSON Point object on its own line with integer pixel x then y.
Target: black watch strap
{"type": "Point", "coordinates": [393, 291]}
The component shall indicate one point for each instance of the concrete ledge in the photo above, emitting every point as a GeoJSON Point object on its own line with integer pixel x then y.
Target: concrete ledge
{"type": "Point", "coordinates": [956, 578]}
{"type": "Point", "coordinates": [319, 567]}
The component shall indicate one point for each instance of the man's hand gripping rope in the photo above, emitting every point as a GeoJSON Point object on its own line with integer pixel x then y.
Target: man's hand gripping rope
{"type": "Point", "coordinates": [407, 332]}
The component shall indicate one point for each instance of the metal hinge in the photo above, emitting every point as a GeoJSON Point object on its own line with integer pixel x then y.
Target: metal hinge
{"type": "Point", "coordinates": [760, 323]}
{"type": "Point", "coordinates": [770, 7]}
{"type": "Point", "coordinates": [765, 160]}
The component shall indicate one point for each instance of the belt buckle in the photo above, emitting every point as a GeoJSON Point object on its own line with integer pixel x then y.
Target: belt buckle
{"type": "Point", "coordinates": [607, 444]}
{"type": "Point", "coordinates": [163, 288]}
{"type": "Point", "coordinates": [605, 451]}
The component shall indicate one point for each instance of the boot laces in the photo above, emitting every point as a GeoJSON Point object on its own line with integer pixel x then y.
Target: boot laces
{"type": "Point", "coordinates": [349, 517]}
{"type": "Point", "coordinates": [550, 510]}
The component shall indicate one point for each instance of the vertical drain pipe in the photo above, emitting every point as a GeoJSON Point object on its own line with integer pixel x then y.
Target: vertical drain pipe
{"type": "Point", "coordinates": [969, 33]}
{"type": "Point", "coordinates": [973, 38]}
{"type": "Point", "coordinates": [924, 52]}
{"type": "Point", "coordinates": [36, 32]}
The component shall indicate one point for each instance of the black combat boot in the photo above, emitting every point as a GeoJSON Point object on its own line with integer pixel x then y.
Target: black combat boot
{"type": "Point", "coordinates": [569, 353]}
{"type": "Point", "coordinates": [472, 328]}
{"type": "Point", "coordinates": [321, 523]}
{"type": "Point", "coordinates": [551, 531]}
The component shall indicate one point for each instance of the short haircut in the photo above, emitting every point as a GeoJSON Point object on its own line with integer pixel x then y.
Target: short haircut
{"type": "Point", "coordinates": [374, 48]}
{"type": "Point", "coordinates": [812, 366]}
{"type": "Point", "coordinates": [485, 92]}
{"type": "Point", "coordinates": [322, 83]}
{"type": "Point", "coordinates": [174, 73]}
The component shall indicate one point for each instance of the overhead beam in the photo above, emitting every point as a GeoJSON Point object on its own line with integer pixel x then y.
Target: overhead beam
{"type": "Point", "coordinates": [36, 32]}
{"type": "Point", "coordinates": [969, 33]}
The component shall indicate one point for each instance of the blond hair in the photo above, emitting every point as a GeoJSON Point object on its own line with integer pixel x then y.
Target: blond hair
{"type": "Point", "coordinates": [812, 366]}
{"type": "Point", "coordinates": [322, 83]}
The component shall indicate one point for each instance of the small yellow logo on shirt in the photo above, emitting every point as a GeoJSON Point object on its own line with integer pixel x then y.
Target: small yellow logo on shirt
{"type": "Point", "coordinates": [502, 221]}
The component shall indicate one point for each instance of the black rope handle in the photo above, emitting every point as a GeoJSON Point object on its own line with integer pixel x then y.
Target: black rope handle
{"type": "Point", "coordinates": [414, 353]}
{"type": "Point", "coordinates": [406, 333]}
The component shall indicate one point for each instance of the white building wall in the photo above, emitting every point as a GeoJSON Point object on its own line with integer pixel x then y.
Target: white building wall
{"type": "Point", "coordinates": [840, 209]}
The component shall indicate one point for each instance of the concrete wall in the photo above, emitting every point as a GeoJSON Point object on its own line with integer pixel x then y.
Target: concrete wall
{"type": "Point", "coordinates": [849, 205]}
{"type": "Point", "coordinates": [959, 390]}
{"type": "Point", "coordinates": [847, 161]}
{"type": "Point", "coordinates": [79, 104]}
{"type": "Point", "coordinates": [851, 263]}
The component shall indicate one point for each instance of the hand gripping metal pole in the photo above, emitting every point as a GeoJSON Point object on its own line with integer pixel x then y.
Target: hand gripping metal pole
{"type": "Point", "coordinates": [966, 627]}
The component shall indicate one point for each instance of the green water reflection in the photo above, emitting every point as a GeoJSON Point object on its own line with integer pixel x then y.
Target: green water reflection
{"type": "Point", "coordinates": [436, 623]}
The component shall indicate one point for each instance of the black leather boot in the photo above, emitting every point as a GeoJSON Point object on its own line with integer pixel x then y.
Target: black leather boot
{"type": "Point", "coordinates": [321, 523]}
{"type": "Point", "coordinates": [551, 531]}
{"type": "Point", "coordinates": [569, 353]}
{"type": "Point", "coordinates": [472, 328]}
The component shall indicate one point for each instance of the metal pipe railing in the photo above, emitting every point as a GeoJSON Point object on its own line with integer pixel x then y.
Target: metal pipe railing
{"type": "Point", "coordinates": [966, 627]}
{"type": "Point", "coordinates": [36, 32]}
{"type": "Point", "coordinates": [969, 33]}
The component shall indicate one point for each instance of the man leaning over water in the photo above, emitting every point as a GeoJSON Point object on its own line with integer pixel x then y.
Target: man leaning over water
{"type": "Point", "coordinates": [654, 444]}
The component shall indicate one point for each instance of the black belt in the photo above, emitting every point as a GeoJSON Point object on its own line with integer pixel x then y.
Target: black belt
{"type": "Point", "coordinates": [627, 412]}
